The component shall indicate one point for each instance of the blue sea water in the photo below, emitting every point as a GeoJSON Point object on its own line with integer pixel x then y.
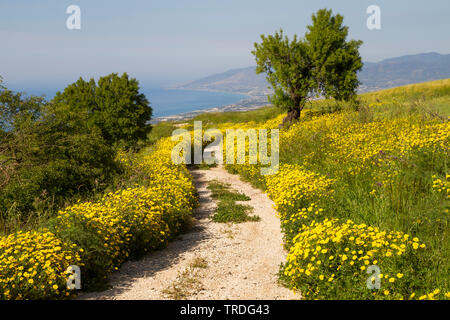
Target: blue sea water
{"type": "Point", "coordinates": [169, 102]}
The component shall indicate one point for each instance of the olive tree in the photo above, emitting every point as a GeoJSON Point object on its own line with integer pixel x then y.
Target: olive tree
{"type": "Point", "coordinates": [322, 63]}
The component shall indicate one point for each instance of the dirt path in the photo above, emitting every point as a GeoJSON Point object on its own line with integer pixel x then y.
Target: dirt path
{"type": "Point", "coordinates": [213, 260]}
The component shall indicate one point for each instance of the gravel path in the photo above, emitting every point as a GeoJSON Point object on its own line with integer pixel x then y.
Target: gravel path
{"type": "Point", "coordinates": [213, 260]}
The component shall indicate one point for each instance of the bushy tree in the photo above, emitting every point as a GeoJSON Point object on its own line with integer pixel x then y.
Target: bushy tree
{"type": "Point", "coordinates": [48, 154]}
{"type": "Point", "coordinates": [322, 63]}
{"type": "Point", "coordinates": [114, 105]}
{"type": "Point", "coordinates": [17, 114]}
{"type": "Point", "coordinates": [53, 151]}
{"type": "Point", "coordinates": [15, 108]}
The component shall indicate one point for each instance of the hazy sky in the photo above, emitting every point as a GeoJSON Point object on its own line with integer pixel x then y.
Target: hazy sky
{"type": "Point", "coordinates": [171, 41]}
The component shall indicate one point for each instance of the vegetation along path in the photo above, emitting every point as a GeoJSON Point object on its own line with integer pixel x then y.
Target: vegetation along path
{"type": "Point", "coordinates": [213, 260]}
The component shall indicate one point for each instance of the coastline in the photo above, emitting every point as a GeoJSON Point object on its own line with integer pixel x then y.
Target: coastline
{"type": "Point", "coordinates": [246, 104]}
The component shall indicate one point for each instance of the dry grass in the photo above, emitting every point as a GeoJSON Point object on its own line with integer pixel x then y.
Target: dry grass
{"type": "Point", "coordinates": [187, 282]}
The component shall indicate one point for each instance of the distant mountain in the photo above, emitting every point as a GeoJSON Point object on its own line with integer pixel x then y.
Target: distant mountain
{"type": "Point", "coordinates": [404, 70]}
{"type": "Point", "coordinates": [374, 76]}
{"type": "Point", "coordinates": [243, 81]}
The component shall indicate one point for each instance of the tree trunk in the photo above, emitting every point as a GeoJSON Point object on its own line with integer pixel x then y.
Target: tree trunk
{"type": "Point", "coordinates": [292, 116]}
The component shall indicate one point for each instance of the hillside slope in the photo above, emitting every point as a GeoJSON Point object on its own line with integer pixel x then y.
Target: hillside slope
{"type": "Point", "coordinates": [385, 74]}
{"type": "Point", "coordinates": [244, 81]}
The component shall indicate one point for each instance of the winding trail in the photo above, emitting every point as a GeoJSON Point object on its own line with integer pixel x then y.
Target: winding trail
{"type": "Point", "coordinates": [239, 261]}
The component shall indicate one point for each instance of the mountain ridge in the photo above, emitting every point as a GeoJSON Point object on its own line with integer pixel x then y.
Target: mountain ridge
{"type": "Point", "coordinates": [387, 73]}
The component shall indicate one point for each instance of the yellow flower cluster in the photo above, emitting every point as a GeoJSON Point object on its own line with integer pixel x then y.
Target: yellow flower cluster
{"type": "Point", "coordinates": [251, 172]}
{"type": "Point", "coordinates": [432, 295]}
{"type": "Point", "coordinates": [442, 185]}
{"type": "Point", "coordinates": [330, 250]}
{"type": "Point", "coordinates": [125, 159]}
{"type": "Point", "coordinates": [294, 187]}
{"type": "Point", "coordinates": [354, 144]}
{"type": "Point", "coordinates": [382, 140]}
{"type": "Point", "coordinates": [269, 124]}
{"type": "Point", "coordinates": [325, 123]}
{"type": "Point", "coordinates": [326, 251]}
{"type": "Point", "coordinates": [33, 265]}
{"type": "Point", "coordinates": [326, 254]}
{"type": "Point", "coordinates": [101, 234]}
{"type": "Point", "coordinates": [300, 216]}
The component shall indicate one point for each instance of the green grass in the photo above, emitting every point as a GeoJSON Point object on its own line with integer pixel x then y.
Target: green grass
{"type": "Point", "coordinates": [419, 91]}
{"type": "Point", "coordinates": [229, 211]}
{"type": "Point", "coordinates": [227, 208]}
{"type": "Point", "coordinates": [260, 115]}
{"type": "Point", "coordinates": [429, 98]}
{"type": "Point", "coordinates": [161, 130]}
{"type": "Point", "coordinates": [221, 191]}
{"type": "Point", "coordinates": [202, 166]}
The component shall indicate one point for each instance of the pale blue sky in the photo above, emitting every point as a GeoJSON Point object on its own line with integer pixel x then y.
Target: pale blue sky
{"type": "Point", "coordinates": [170, 41]}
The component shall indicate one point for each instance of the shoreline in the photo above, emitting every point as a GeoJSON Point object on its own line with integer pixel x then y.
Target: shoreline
{"type": "Point", "coordinates": [246, 104]}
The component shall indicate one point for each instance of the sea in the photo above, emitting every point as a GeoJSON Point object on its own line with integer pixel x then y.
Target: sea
{"type": "Point", "coordinates": [171, 102]}
{"type": "Point", "coordinates": [165, 102]}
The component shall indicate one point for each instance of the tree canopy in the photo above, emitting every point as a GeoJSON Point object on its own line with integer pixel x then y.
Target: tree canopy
{"type": "Point", "coordinates": [114, 104]}
{"type": "Point", "coordinates": [48, 153]}
{"type": "Point", "coordinates": [52, 152]}
{"type": "Point", "coordinates": [322, 63]}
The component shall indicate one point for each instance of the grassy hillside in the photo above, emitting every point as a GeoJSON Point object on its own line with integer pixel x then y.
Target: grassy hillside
{"type": "Point", "coordinates": [429, 97]}
{"type": "Point", "coordinates": [362, 188]}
